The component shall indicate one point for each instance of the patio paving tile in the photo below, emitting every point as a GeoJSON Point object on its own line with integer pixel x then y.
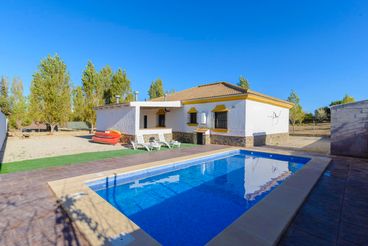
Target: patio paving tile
{"type": "Point", "coordinates": [317, 226]}
{"type": "Point", "coordinates": [335, 213]}
{"type": "Point", "coordinates": [300, 238]}
{"type": "Point", "coordinates": [28, 210]}
{"type": "Point", "coordinates": [355, 214]}
{"type": "Point", "coordinates": [337, 208]}
{"type": "Point", "coordinates": [354, 233]}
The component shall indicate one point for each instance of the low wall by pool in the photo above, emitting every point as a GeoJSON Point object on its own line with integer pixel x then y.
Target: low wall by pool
{"type": "Point", "coordinates": [349, 129]}
{"type": "Point", "coordinates": [3, 129]}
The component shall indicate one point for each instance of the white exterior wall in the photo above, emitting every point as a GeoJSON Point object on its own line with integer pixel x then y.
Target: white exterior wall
{"type": "Point", "coordinates": [177, 119]}
{"type": "Point", "coordinates": [119, 118]}
{"type": "Point", "coordinates": [3, 129]}
{"type": "Point", "coordinates": [151, 117]}
{"type": "Point", "coordinates": [245, 118]}
{"type": "Point", "coordinates": [262, 118]}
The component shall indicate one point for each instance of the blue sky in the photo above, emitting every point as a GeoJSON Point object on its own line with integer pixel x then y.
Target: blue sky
{"type": "Point", "coordinates": [318, 48]}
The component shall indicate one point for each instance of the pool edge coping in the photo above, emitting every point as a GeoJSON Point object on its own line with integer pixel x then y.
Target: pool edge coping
{"type": "Point", "coordinates": [76, 197]}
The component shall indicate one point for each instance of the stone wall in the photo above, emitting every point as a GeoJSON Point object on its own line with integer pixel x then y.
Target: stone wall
{"type": "Point", "coordinates": [184, 137]}
{"type": "Point", "coordinates": [229, 140]}
{"type": "Point", "coordinates": [349, 129]}
{"type": "Point", "coordinates": [125, 139]}
{"type": "Point", "coordinates": [149, 137]}
{"type": "Point", "coordinates": [250, 141]}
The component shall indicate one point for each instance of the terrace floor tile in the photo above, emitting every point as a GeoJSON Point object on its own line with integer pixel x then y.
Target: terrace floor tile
{"type": "Point", "coordinates": [354, 233]}
{"type": "Point", "coordinates": [28, 210]}
{"type": "Point", "coordinates": [337, 208]}
{"type": "Point", "coordinates": [335, 213]}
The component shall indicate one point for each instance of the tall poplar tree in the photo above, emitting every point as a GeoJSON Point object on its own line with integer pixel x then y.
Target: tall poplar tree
{"type": "Point", "coordinates": [4, 96]}
{"type": "Point", "coordinates": [78, 104]}
{"type": "Point", "coordinates": [50, 92]}
{"type": "Point", "coordinates": [120, 85]}
{"type": "Point", "coordinates": [296, 113]}
{"type": "Point", "coordinates": [156, 89]}
{"type": "Point", "coordinates": [105, 77]}
{"type": "Point", "coordinates": [18, 105]}
{"type": "Point", "coordinates": [92, 95]}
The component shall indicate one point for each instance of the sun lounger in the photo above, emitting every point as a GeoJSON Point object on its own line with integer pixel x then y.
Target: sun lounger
{"type": "Point", "coordinates": [139, 143]}
{"type": "Point", "coordinates": [162, 140]}
{"type": "Point", "coordinates": [174, 144]}
{"type": "Point", "coordinates": [155, 145]}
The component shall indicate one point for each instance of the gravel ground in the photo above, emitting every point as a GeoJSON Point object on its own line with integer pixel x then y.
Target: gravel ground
{"type": "Point", "coordinates": [18, 149]}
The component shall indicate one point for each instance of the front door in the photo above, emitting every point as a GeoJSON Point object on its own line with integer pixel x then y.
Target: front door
{"type": "Point", "coordinates": [145, 120]}
{"type": "Point", "coordinates": [199, 138]}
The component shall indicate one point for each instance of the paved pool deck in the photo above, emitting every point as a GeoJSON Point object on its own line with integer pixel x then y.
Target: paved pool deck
{"type": "Point", "coordinates": [335, 213]}
{"type": "Point", "coordinates": [29, 214]}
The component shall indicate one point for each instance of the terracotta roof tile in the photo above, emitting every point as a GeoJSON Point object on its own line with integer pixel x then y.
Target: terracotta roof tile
{"type": "Point", "coordinates": [204, 91]}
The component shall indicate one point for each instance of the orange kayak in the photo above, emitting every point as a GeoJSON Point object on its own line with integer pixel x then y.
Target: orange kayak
{"type": "Point", "coordinates": [107, 137]}
{"type": "Point", "coordinates": [105, 140]}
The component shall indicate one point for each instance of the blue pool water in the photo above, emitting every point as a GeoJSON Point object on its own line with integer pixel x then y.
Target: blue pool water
{"type": "Point", "coordinates": [189, 203]}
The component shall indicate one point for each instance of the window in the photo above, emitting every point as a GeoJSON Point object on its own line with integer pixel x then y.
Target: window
{"type": "Point", "coordinates": [161, 120]}
{"type": "Point", "coordinates": [221, 120]}
{"type": "Point", "coordinates": [193, 118]}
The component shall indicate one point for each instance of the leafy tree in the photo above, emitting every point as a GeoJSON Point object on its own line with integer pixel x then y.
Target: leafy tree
{"type": "Point", "coordinates": [243, 82]}
{"type": "Point", "coordinates": [4, 97]}
{"type": "Point", "coordinates": [152, 90]}
{"type": "Point", "coordinates": [78, 104]}
{"type": "Point", "coordinates": [347, 99]}
{"type": "Point", "coordinates": [105, 77]}
{"type": "Point", "coordinates": [336, 102]}
{"type": "Point", "coordinates": [50, 92]}
{"type": "Point", "coordinates": [156, 89]}
{"type": "Point", "coordinates": [92, 93]}
{"type": "Point", "coordinates": [18, 105]}
{"type": "Point", "coordinates": [296, 112]}
{"type": "Point", "coordinates": [159, 88]}
{"type": "Point", "coordinates": [308, 118]}
{"type": "Point", "coordinates": [321, 114]}
{"type": "Point", "coordinates": [121, 86]}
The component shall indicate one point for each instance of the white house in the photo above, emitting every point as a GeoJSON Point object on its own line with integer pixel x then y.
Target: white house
{"type": "Point", "coordinates": [219, 113]}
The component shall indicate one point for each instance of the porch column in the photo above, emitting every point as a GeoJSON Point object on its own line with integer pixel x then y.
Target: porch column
{"type": "Point", "coordinates": [137, 119]}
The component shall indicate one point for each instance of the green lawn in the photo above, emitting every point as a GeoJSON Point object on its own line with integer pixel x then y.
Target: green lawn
{"type": "Point", "coordinates": [28, 165]}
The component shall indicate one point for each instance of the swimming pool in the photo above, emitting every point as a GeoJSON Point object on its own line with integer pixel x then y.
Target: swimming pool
{"type": "Point", "coordinates": [189, 203]}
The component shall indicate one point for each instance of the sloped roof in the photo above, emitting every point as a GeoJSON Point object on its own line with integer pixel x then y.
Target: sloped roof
{"type": "Point", "coordinates": [218, 89]}
{"type": "Point", "coordinates": [221, 91]}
